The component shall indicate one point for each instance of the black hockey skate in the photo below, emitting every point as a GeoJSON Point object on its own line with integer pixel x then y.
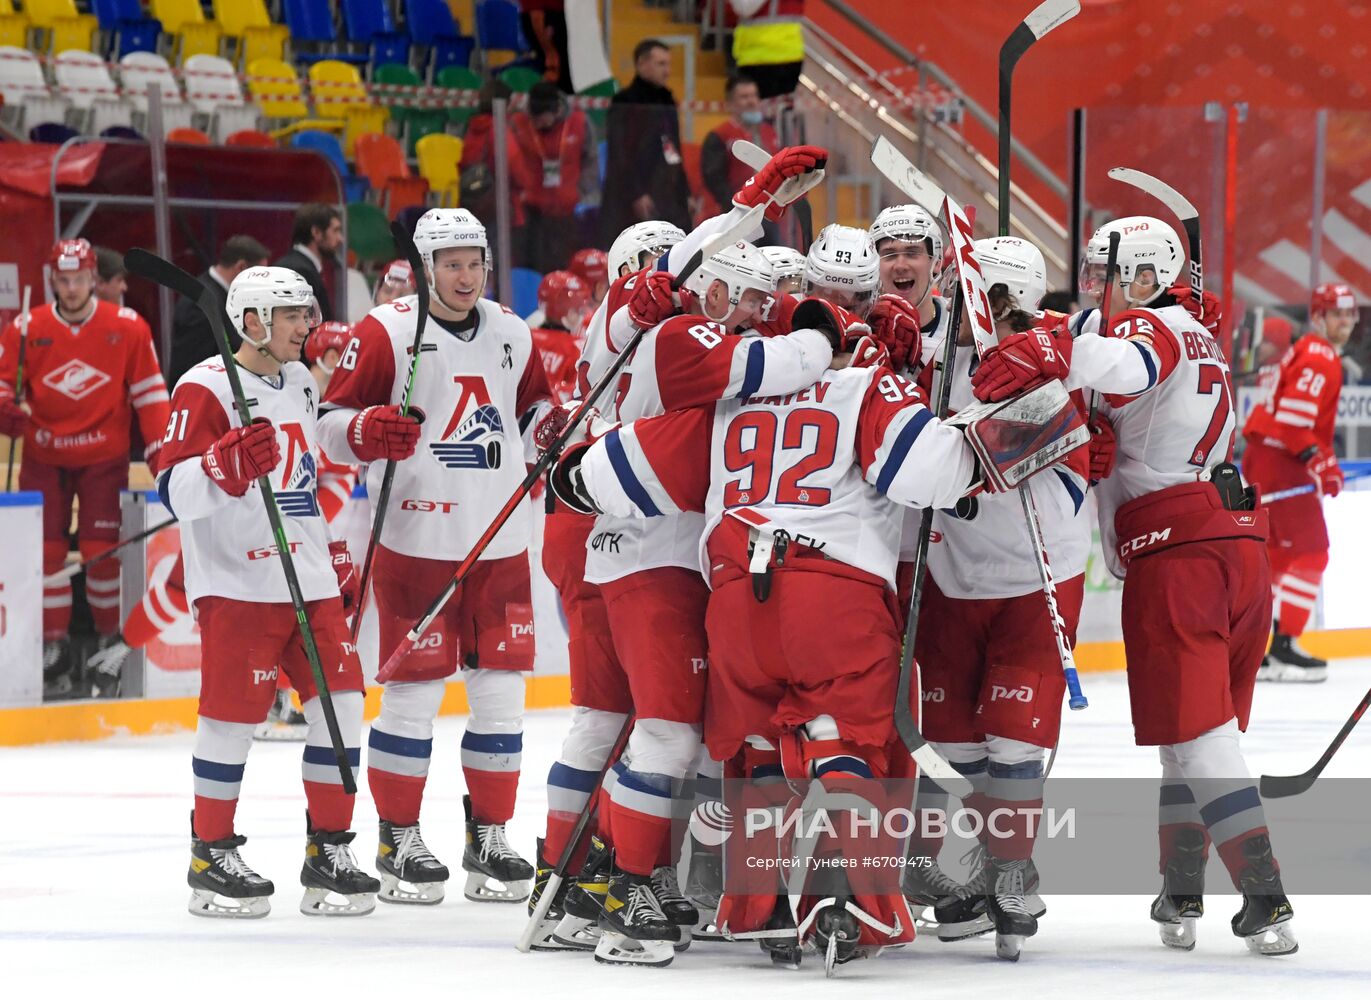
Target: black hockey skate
{"type": "Point", "coordinates": [1181, 902]}
{"type": "Point", "coordinates": [1264, 921]}
{"type": "Point", "coordinates": [679, 910]}
{"type": "Point", "coordinates": [284, 722]}
{"type": "Point", "coordinates": [783, 943]}
{"type": "Point", "coordinates": [409, 871]}
{"type": "Point", "coordinates": [1007, 906]}
{"type": "Point", "coordinates": [222, 884]}
{"type": "Point", "coordinates": [495, 872]}
{"type": "Point", "coordinates": [330, 870]}
{"type": "Point", "coordinates": [105, 668]}
{"type": "Point", "coordinates": [543, 939]}
{"type": "Point", "coordinates": [705, 887]}
{"type": "Point", "coordinates": [59, 670]}
{"type": "Point", "coordinates": [633, 928]}
{"type": "Point", "coordinates": [584, 901]}
{"type": "Point", "coordinates": [926, 884]}
{"type": "Point", "coordinates": [1287, 662]}
{"type": "Point", "coordinates": [836, 933]}
{"type": "Point", "coordinates": [966, 915]}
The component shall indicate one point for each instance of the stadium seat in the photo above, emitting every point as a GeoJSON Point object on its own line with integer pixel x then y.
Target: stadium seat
{"type": "Point", "coordinates": [369, 234]}
{"type": "Point", "coordinates": [276, 89]}
{"type": "Point", "coordinates": [498, 30]}
{"type": "Point", "coordinates": [122, 132]}
{"type": "Point", "coordinates": [406, 110]}
{"type": "Point", "coordinates": [439, 156]}
{"type": "Point", "coordinates": [22, 85]}
{"type": "Point", "coordinates": [370, 23]}
{"type": "Point", "coordinates": [249, 23]}
{"type": "Point", "coordinates": [188, 137]}
{"type": "Point", "coordinates": [125, 27]}
{"type": "Point", "coordinates": [327, 145]}
{"type": "Point", "coordinates": [381, 160]}
{"type": "Point", "coordinates": [599, 116]}
{"type": "Point", "coordinates": [520, 79]}
{"type": "Point", "coordinates": [459, 78]}
{"type": "Point", "coordinates": [64, 26]}
{"type": "Point", "coordinates": [524, 284]}
{"type": "Point", "coordinates": [184, 21]}
{"type": "Point", "coordinates": [252, 138]}
{"type": "Point", "coordinates": [52, 132]}
{"type": "Point", "coordinates": [311, 24]}
{"type": "Point", "coordinates": [212, 88]}
{"type": "Point", "coordinates": [140, 72]}
{"type": "Point", "coordinates": [463, 12]}
{"type": "Point", "coordinates": [81, 75]}
{"type": "Point", "coordinates": [431, 25]}
{"type": "Point", "coordinates": [14, 26]}
{"type": "Point", "coordinates": [421, 127]}
{"type": "Point", "coordinates": [337, 89]}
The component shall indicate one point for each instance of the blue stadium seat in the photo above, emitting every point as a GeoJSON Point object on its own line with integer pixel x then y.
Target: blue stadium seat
{"type": "Point", "coordinates": [370, 23]}
{"type": "Point", "coordinates": [122, 132]}
{"type": "Point", "coordinates": [311, 21]}
{"type": "Point", "coordinates": [52, 132]}
{"type": "Point", "coordinates": [431, 25]}
{"type": "Point", "coordinates": [497, 26]}
{"type": "Point", "coordinates": [454, 51]}
{"type": "Point", "coordinates": [525, 282]}
{"type": "Point", "coordinates": [326, 144]}
{"type": "Point", "coordinates": [126, 26]}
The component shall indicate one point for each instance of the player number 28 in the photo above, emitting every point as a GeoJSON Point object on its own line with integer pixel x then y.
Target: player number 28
{"type": "Point", "coordinates": [750, 449]}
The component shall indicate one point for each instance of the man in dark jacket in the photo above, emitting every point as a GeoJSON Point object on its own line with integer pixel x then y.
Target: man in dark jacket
{"type": "Point", "coordinates": [645, 177]}
{"type": "Point", "coordinates": [192, 340]}
{"type": "Point", "coordinates": [317, 237]}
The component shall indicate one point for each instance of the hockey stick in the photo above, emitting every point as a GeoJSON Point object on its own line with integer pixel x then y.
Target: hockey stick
{"type": "Point", "coordinates": [1275, 786]}
{"type": "Point", "coordinates": [536, 471]}
{"type": "Point", "coordinates": [559, 872]}
{"type": "Point", "coordinates": [405, 241]}
{"type": "Point", "coordinates": [1111, 264]}
{"type": "Point", "coordinates": [71, 569]}
{"type": "Point", "coordinates": [1299, 491]}
{"type": "Point", "coordinates": [163, 272]}
{"type": "Point", "coordinates": [1043, 18]}
{"type": "Point", "coordinates": [1180, 207]}
{"type": "Point", "coordinates": [19, 383]}
{"type": "Point", "coordinates": [903, 174]}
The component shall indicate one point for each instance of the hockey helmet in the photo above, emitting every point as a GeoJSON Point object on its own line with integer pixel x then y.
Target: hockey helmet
{"type": "Point", "coordinates": [330, 336]}
{"type": "Point", "coordinates": [1330, 296]}
{"type": "Point", "coordinates": [590, 265]}
{"type": "Point", "coordinates": [842, 267]}
{"type": "Point", "coordinates": [909, 224]}
{"type": "Point", "coordinates": [641, 240]}
{"type": "Point", "coordinates": [442, 228]}
{"type": "Point", "coordinates": [1145, 244]}
{"type": "Point", "coordinates": [1018, 265]}
{"type": "Point", "coordinates": [263, 289]}
{"type": "Point", "coordinates": [785, 263]}
{"type": "Point", "coordinates": [560, 295]}
{"type": "Point", "coordinates": [399, 274]}
{"type": "Point", "coordinates": [72, 255]}
{"type": "Point", "coordinates": [740, 266]}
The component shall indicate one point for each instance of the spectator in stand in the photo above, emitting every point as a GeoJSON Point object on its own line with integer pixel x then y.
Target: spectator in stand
{"type": "Point", "coordinates": [544, 23]}
{"type": "Point", "coordinates": [317, 238]}
{"type": "Point", "coordinates": [723, 173]}
{"type": "Point", "coordinates": [645, 170]}
{"type": "Point", "coordinates": [769, 43]}
{"type": "Point", "coordinates": [592, 266]}
{"type": "Point", "coordinates": [552, 168]}
{"type": "Point", "coordinates": [395, 283]}
{"type": "Point", "coordinates": [111, 280]}
{"type": "Point", "coordinates": [192, 340]}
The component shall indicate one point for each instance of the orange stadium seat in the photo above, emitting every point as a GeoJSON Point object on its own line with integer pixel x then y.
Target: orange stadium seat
{"type": "Point", "coordinates": [381, 160]}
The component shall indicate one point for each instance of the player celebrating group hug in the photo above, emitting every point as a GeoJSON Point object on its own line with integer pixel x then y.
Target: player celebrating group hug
{"type": "Point", "coordinates": [730, 534]}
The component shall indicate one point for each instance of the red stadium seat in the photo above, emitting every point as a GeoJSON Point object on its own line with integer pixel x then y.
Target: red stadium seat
{"type": "Point", "coordinates": [251, 137]}
{"type": "Point", "coordinates": [188, 136]}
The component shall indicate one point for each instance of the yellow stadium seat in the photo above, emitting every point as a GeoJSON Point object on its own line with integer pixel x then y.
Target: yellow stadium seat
{"type": "Point", "coordinates": [65, 26]}
{"type": "Point", "coordinates": [464, 13]}
{"type": "Point", "coordinates": [439, 157]}
{"type": "Point", "coordinates": [249, 22]}
{"type": "Point", "coordinates": [362, 121]}
{"type": "Point", "coordinates": [185, 21]}
{"type": "Point", "coordinates": [337, 89]}
{"type": "Point", "coordinates": [14, 27]}
{"type": "Point", "coordinates": [274, 86]}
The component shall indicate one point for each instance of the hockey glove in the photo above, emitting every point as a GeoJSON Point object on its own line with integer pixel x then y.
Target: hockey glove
{"type": "Point", "coordinates": [895, 323]}
{"type": "Point", "coordinates": [869, 353]}
{"type": "Point", "coordinates": [242, 455]}
{"type": "Point", "coordinates": [1104, 447]}
{"type": "Point", "coordinates": [785, 178]}
{"type": "Point", "coordinates": [842, 328]}
{"type": "Point", "coordinates": [1323, 469]}
{"type": "Point", "coordinates": [1213, 308]}
{"type": "Point", "coordinates": [14, 419]}
{"type": "Point", "coordinates": [380, 432]}
{"type": "Point", "coordinates": [545, 432]}
{"type": "Point", "coordinates": [1020, 362]}
{"type": "Point", "coordinates": [566, 481]}
{"type": "Point", "coordinates": [348, 583]}
{"type": "Point", "coordinates": [652, 301]}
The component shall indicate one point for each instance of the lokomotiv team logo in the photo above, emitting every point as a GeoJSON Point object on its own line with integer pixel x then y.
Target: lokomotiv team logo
{"type": "Point", "coordinates": [474, 434]}
{"type": "Point", "coordinates": [76, 379]}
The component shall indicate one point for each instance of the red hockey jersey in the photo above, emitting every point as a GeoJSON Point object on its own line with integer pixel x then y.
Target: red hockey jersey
{"type": "Point", "coordinates": [1300, 398]}
{"type": "Point", "coordinates": [84, 382]}
{"type": "Point", "coordinates": [560, 351]}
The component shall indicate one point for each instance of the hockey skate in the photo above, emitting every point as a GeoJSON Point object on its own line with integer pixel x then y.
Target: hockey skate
{"type": "Point", "coordinates": [1264, 921]}
{"type": "Point", "coordinates": [222, 884]}
{"type": "Point", "coordinates": [331, 872]}
{"type": "Point", "coordinates": [59, 668]}
{"type": "Point", "coordinates": [1287, 662]}
{"type": "Point", "coordinates": [704, 887]}
{"type": "Point", "coordinates": [495, 872]}
{"type": "Point", "coordinates": [284, 722]}
{"type": "Point", "coordinates": [966, 915]}
{"type": "Point", "coordinates": [782, 942]}
{"type": "Point", "coordinates": [1007, 906]}
{"type": "Point", "coordinates": [543, 939]}
{"type": "Point", "coordinates": [1180, 904]}
{"type": "Point", "coordinates": [105, 668]}
{"type": "Point", "coordinates": [409, 871]}
{"type": "Point", "coordinates": [634, 930]}
{"type": "Point", "coordinates": [584, 901]}
{"type": "Point", "coordinates": [679, 910]}
{"type": "Point", "coordinates": [926, 886]}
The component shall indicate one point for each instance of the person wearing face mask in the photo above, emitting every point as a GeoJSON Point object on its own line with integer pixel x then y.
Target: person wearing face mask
{"type": "Point", "coordinates": [724, 173]}
{"type": "Point", "coordinates": [552, 167]}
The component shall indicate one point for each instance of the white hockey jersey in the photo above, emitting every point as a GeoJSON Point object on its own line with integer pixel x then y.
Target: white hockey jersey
{"type": "Point", "coordinates": [227, 541]}
{"type": "Point", "coordinates": [473, 388]}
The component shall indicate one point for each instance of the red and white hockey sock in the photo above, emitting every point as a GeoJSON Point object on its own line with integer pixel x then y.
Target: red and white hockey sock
{"type": "Point", "coordinates": [493, 744]}
{"type": "Point", "coordinates": [1296, 590]}
{"type": "Point", "coordinates": [218, 761]}
{"type": "Point", "coordinates": [399, 747]}
{"type": "Point", "coordinates": [162, 603]}
{"type": "Point", "coordinates": [1014, 791]}
{"type": "Point", "coordinates": [1177, 815]}
{"type": "Point", "coordinates": [56, 596]}
{"type": "Point", "coordinates": [641, 804]}
{"type": "Point", "coordinates": [575, 776]}
{"type": "Point", "coordinates": [102, 586]}
{"type": "Point", "coordinates": [330, 808]}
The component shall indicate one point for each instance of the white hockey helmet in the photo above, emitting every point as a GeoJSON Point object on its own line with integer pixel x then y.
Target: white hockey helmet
{"type": "Point", "coordinates": [843, 259]}
{"type": "Point", "coordinates": [1145, 244]}
{"type": "Point", "coordinates": [642, 239]}
{"type": "Point", "coordinates": [740, 266]}
{"type": "Point", "coordinates": [785, 263]}
{"type": "Point", "coordinates": [1018, 265]}
{"type": "Point", "coordinates": [262, 289]}
{"type": "Point", "coordinates": [441, 228]}
{"type": "Point", "coordinates": [909, 224]}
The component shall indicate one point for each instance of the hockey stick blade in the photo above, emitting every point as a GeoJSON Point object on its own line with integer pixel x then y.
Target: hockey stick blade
{"type": "Point", "coordinates": [1280, 786]}
{"type": "Point", "coordinates": [147, 264]}
{"type": "Point", "coordinates": [897, 169]}
{"type": "Point", "coordinates": [1182, 208]}
{"type": "Point", "coordinates": [749, 154]}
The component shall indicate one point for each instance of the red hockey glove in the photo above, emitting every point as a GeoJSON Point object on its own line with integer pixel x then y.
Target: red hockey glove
{"type": "Point", "coordinates": [895, 323]}
{"type": "Point", "coordinates": [652, 301]}
{"type": "Point", "coordinates": [14, 419]}
{"type": "Point", "coordinates": [380, 432]}
{"type": "Point", "coordinates": [869, 353]}
{"type": "Point", "coordinates": [1213, 308]}
{"type": "Point", "coordinates": [842, 328]}
{"type": "Point", "coordinates": [1020, 362]}
{"type": "Point", "coordinates": [348, 583]}
{"type": "Point", "coordinates": [1104, 448]}
{"type": "Point", "coordinates": [765, 185]}
{"type": "Point", "coordinates": [242, 455]}
{"type": "Point", "coordinates": [545, 432]}
{"type": "Point", "coordinates": [1323, 469]}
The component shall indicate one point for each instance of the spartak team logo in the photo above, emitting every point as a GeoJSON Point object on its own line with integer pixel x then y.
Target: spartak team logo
{"type": "Point", "coordinates": [75, 379]}
{"type": "Point", "coordinates": [177, 647]}
{"type": "Point", "coordinates": [471, 440]}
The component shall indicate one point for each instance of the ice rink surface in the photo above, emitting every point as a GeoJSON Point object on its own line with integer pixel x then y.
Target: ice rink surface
{"type": "Point", "coordinates": [94, 847]}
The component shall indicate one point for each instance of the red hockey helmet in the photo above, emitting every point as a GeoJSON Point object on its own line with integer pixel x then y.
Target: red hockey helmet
{"type": "Point", "coordinates": [560, 295]}
{"type": "Point", "coordinates": [590, 265]}
{"type": "Point", "coordinates": [72, 255]}
{"type": "Point", "coordinates": [331, 335]}
{"type": "Point", "coordinates": [400, 274]}
{"type": "Point", "coordinates": [1330, 296]}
